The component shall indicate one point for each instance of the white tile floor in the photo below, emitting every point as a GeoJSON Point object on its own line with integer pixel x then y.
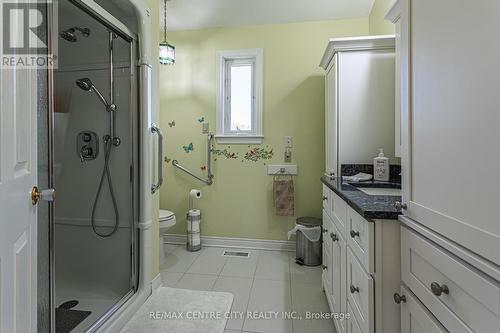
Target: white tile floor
{"type": "Point", "coordinates": [266, 281]}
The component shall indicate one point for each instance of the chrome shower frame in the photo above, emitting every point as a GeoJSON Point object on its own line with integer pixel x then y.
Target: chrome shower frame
{"type": "Point", "coordinates": [134, 132]}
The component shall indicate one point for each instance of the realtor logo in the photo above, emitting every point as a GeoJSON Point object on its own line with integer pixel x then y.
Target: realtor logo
{"type": "Point", "coordinates": [24, 34]}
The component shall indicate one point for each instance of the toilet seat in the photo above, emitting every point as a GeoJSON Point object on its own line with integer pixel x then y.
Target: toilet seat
{"type": "Point", "coordinates": [166, 219]}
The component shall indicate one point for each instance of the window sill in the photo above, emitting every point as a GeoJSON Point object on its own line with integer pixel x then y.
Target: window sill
{"type": "Point", "coordinates": [240, 139]}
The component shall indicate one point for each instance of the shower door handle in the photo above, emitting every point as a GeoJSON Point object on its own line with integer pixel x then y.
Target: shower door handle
{"type": "Point", "coordinates": [156, 187]}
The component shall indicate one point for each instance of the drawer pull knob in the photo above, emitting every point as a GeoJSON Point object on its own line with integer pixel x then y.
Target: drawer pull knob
{"type": "Point", "coordinates": [325, 198]}
{"type": "Point", "coordinates": [399, 298]}
{"type": "Point", "coordinates": [334, 237]}
{"type": "Point", "coordinates": [354, 289]}
{"type": "Point", "coordinates": [398, 205]}
{"type": "Point", "coordinates": [354, 233]}
{"type": "Point", "coordinates": [438, 290]}
{"type": "Point", "coordinates": [324, 267]}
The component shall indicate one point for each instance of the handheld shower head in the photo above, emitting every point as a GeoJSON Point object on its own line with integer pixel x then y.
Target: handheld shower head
{"type": "Point", "coordinates": [87, 85]}
{"type": "Point", "coordinates": [84, 84]}
{"type": "Point", "coordinates": [70, 34]}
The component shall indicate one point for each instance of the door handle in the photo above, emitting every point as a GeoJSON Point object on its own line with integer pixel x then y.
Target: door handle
{"type": "Point", "coordinates": [156, 187]}
{"type": "Point", "coordinates": [398, 299]}
{"type": "Point", "coordinates": [45, 195]}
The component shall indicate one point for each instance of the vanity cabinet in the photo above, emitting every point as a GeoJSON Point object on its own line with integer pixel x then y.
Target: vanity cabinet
{"type": "Point", "coordinates": [450, 250]}
{"type": "Point", "coordinates": [361, 267]}
{"type": "Point", "coordinates": [359, 100]}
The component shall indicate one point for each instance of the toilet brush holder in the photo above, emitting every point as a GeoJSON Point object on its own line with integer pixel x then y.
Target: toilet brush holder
{"type": "Point", "coordinates": [193, 230]}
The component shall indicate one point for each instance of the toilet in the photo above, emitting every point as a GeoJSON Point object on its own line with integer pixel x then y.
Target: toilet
{"type": "Point", "coordinates": [166, 221]}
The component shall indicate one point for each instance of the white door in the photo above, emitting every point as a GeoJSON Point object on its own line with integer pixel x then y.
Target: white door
{"type": "Point", "coordinates": [18, 174]}
{"type": "Point", "coordinates": [415, 318]}
{"type": "Point", "coordinates": [451, 150]}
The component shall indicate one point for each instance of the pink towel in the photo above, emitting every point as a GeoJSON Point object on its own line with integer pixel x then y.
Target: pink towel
{"type": "Point", "coordinates": [283, 194]}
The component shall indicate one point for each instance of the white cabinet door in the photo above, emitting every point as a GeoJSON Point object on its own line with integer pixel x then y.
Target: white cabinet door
{"type": "Point", "coordinates": [415, 318]}
{"type": "Point", "coordinates": [394, 16]}
{"type": "Point", "coordinates": [331, 118]}
{"type": "Point", "coordinates": [450, 120]}
{"type": "Point", "coordinates": [18, 174]}
{"type": "Point", "coordinates": [338, 246]}
{"type": "Point", "coordinates": [327, 271]}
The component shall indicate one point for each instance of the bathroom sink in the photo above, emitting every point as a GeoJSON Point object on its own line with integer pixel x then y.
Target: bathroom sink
{"type": "Point", "coordinates": [381, 191]}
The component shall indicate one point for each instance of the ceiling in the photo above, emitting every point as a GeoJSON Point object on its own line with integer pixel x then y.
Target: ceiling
{"type": "Point", "coordinates": [201, 14]}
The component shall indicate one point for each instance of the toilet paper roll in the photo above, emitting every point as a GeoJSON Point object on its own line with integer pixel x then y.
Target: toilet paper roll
{"type": "Point", "coordinates": [193, 226]}
{"type": "Point", "coordinates": [195, 194]}
{"type": "Point", "coordinates": [196, 240]}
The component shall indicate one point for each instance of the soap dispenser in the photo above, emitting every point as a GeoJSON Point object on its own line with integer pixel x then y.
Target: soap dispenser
{"type": "Point", "coordinates": [381, 167]}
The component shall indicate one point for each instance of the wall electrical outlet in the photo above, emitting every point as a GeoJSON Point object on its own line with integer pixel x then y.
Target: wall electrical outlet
{"type": "Point", "coordinates": [288, 142]}
{"type": "Point", "coordinates": [288, 156]}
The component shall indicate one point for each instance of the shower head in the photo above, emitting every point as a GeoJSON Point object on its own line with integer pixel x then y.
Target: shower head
{"type": "Point", "coordinates": [84, 84]}
{"type": "Point", "coordinates": [87, 85]}
{"type": "Point", "coordinates": [70, 34]}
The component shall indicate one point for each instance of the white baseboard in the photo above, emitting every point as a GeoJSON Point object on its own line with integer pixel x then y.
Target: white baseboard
{"type": "Point", "coordinates": [156, 283]}
{"type": "Point", "coordinates": [244, 243]}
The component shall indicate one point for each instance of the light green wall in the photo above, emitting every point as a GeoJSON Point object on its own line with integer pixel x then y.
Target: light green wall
{"type": "Point", "coordinates": [154, 6]}
{"type": "Point", "coordinates": [379, 26]}
{"type": "Point", "coordinates": [239, 203]}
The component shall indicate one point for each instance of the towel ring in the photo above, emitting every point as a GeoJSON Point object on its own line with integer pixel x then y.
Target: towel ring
{"type": "Point", "coordinates": [282, 172]}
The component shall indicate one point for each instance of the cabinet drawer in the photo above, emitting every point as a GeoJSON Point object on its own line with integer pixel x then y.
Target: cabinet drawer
{"type": "Point", "coordinates": [353, 325]}
{"type": "Point", "coordinates": [360, 293]}
{"type": "Point", "coordinates": [361, 239]}
{"type": "Point", "coordinates": [462, 298]}
{"type": "Point", "coordinates": [326, 198]}
{"type": "Point", "coordinates": [338, 212]}
{"type": "Point", "coordinates": [415, 317]}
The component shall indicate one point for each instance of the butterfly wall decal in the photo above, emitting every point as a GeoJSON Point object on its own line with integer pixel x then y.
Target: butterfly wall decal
{"type": "Point", "coordinates": [201, 119]}
{"type": "Point", "coordinates": [167, 160]}
{"type": "Point", "coordinates": [189, 148]}
{"type": "Point", "coordinates": [172, 124]}
{"type": "Point", "coordinates": [203, 168]}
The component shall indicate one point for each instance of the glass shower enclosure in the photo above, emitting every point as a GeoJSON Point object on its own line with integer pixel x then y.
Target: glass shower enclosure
{"type": "Point", "coordinates": [95, 149]}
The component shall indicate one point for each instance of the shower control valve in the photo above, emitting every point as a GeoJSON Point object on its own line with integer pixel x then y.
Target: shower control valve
{"type": "Point", "coordinates": [86, 153]}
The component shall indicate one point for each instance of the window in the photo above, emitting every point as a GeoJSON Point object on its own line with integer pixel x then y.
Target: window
{"type": "Point", "coordinates": [239, 100]}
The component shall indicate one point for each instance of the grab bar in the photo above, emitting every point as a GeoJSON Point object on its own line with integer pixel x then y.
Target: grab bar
{"type": "Point", "coordinates": [210, 176]}
{"type": "Point", "coordinates": [156, 187]}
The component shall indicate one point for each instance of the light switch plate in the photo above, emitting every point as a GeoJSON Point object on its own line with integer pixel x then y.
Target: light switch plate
{"type": "Point", "coordinates": [205, 128]}
{"type": "Point", "coordinates": [288, 156]}
{"type": "Point", "coordinates": [288, 142]}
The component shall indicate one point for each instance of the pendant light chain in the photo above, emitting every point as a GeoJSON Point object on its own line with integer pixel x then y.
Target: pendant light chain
{"type": "Point", "coordinates": [165, 21]}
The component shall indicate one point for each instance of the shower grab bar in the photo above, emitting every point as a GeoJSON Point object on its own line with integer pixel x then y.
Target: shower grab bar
{"type": "Point", "coordinates": [210, 176]}
{"type": "Point", "coordinates": [156, 187]}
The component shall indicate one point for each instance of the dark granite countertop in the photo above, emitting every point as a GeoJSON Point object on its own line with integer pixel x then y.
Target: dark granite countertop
{"type": "Point", "coordinates": [371, 207]}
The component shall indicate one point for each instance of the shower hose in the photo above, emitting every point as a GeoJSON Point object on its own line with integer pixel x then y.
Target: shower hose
{"type": "Point", "coordinates": [106, 175]}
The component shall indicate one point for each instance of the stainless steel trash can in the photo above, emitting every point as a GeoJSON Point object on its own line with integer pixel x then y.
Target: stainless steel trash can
{"type": "Point", "coordinates": [308, 242]}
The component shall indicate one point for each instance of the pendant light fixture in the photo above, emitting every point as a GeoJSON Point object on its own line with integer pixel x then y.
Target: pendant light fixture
{"type": "Point", "coordinates": [167, 50]}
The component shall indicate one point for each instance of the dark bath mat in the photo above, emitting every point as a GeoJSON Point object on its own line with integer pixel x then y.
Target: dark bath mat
{"type": "Point", "coordinates": [68, 305]}
{"type": "Point", "coordinates": [67, 320]}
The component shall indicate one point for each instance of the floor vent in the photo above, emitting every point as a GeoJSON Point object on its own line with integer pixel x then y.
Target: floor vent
{"type": "Point", "coordinates": [238, 254]}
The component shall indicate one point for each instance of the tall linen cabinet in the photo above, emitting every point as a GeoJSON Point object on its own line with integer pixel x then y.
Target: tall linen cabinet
{"type": "Point", "coordinates": [449, 105]}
